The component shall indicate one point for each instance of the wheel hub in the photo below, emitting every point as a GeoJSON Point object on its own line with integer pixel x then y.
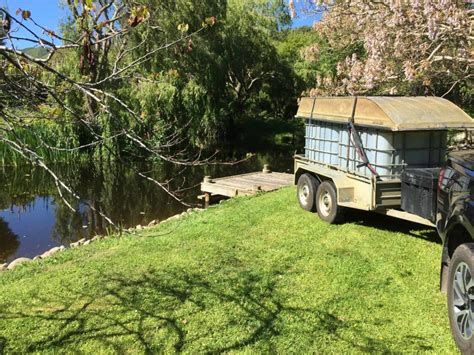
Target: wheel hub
{"type": "Point", "coordinates": [325, 203]}
{"type": "Point", "coordinates": [304, 194]}
{"type": "Point", "coordinates": [471, 291]}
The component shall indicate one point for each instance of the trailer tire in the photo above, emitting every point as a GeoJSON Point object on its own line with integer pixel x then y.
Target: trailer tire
{"type": "Point", "coordinates": [306, 192]}
{"type": "Point", "coordinates": [326, 203]}
{"type": "Point", "coordinates": [461, 297]}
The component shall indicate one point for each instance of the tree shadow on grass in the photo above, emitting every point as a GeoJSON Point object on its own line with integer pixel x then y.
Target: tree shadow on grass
{"type": "Point", "coordinates": [3, 342]}
{"type": "Point", "coordinates": [392, 224]}
{"type": "Point", "coordinates": [176, 310]}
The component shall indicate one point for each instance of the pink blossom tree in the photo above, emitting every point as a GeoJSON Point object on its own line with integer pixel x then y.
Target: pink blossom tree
{"type": "Point", "coordinates": [399, 46]}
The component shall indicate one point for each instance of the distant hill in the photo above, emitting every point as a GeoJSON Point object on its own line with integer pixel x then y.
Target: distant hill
{"type": "Point", "coordinates": [36, 52]}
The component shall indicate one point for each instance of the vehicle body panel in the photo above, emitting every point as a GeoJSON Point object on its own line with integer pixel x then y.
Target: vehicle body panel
{"type": "Point", "coordinates": [455, 205]}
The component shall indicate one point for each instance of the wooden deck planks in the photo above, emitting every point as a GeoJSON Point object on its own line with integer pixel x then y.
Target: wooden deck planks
{"type": "Point", "coordinates": [264, 180]}
{"type": "Point", "coordinates": [245, 184]}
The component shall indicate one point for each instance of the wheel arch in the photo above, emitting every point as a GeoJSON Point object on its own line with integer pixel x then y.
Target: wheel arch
{"type": "Point", "coordinates": [320, 178]}
{"type": "Point", "coordinates": [456, 235]}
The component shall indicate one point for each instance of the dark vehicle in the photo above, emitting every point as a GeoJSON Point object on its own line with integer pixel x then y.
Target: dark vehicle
{"type": "Point", "coordinates": [455, 217]}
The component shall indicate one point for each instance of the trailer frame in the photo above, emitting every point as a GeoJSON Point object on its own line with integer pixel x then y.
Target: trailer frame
{"type": "Point", "coordinates": [357, 191]}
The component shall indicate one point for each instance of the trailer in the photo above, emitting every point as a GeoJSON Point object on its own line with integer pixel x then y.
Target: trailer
{"type": "Point", "coordinates": [359, 151]}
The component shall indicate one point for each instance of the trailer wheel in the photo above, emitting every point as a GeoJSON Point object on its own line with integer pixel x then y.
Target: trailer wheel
{"type": "Point", "coordinates": [326, 203]}
{"type": "Point", "coordinates": [306, 192]}
{"type": "Point", "coordinates": [461, 297]}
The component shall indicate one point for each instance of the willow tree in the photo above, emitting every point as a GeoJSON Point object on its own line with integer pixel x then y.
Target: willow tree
{"type": "Point", "coordinates": [207, 83]}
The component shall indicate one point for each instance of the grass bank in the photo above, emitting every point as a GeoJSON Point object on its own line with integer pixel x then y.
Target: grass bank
{"type": "Point", "coordinates": [251, 275]}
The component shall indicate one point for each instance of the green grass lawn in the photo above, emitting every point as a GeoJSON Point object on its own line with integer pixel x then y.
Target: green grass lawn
{"type": "Point", "coordinates": [251, 275]}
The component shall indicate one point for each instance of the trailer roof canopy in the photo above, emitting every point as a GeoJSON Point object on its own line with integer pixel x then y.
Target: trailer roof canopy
{"type": "Point", "coordinates": [393, 113]}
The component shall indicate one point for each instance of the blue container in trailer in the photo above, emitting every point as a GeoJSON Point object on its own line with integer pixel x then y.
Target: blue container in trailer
{"type": "Point", "coordinates": [388, 152]}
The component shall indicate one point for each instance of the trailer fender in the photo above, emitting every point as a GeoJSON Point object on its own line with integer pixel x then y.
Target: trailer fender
{"type": "Point", "coordinates": [301, 171]}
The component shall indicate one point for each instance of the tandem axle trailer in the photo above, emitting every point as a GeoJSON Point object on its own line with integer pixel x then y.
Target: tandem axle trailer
{"type": "Point", "coordinates": [358, 150]}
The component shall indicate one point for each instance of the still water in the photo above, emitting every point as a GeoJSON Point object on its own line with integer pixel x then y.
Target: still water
{"type": "Point", "coordinates": [33, 217]}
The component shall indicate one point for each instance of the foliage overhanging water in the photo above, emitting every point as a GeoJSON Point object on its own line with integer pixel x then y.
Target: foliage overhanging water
{"type": "Point", "coordinates": [33, 217]}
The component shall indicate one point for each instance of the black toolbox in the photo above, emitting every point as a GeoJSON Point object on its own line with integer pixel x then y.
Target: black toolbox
{"type": "Point", "coordinates": [419, 192]}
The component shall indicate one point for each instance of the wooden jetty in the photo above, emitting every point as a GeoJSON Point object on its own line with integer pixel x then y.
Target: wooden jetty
{"type": "Point", "coordinates": [244, 184]}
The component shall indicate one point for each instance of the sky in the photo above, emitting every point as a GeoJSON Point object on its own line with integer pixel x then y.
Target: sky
{"type": "Point", "coordinates": [305, 20]}
{"type": "Point", "coordinates": [49, 12]}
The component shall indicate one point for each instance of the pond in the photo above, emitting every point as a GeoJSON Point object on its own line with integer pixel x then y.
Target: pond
{"type": "Point", "coordinates": [34, 218]}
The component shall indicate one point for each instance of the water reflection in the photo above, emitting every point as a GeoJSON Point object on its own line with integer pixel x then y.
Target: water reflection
{"type": "Point", "coordinates": [9, 242]}
{"type": "Point", "coordinates": [33, 217]}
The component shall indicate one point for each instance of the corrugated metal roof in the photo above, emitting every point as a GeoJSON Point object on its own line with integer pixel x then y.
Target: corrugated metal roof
{"type": "Point", "coordinates": [393, 113]}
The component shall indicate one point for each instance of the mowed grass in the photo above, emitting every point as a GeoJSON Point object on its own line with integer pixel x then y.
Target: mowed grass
{"type": "Point", "coordinates": [251, 275]}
